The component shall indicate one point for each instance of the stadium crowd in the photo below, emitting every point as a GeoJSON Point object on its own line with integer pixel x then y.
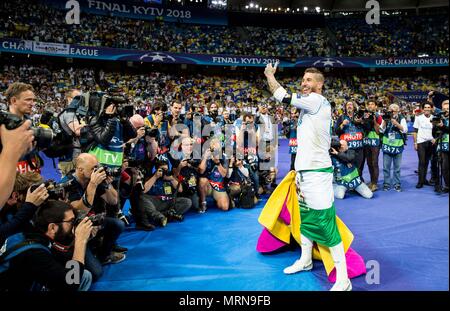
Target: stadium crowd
{"type": "Point", "coordinates": [340, 37]}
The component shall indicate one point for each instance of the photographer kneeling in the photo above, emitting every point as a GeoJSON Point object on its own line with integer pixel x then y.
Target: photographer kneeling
{"type": "Point", "coordinates": [346, 171]}
{"type": "Point", "coordinates": [159, 198]}
{"type": "Point", "coordinates": [89, 192]}
{"type": "Point", "coordinates": [32, 267]}
{"type": "Point", "coordinates": [186, 170]}
{"type": "Point", "coordinates": [240, 185]}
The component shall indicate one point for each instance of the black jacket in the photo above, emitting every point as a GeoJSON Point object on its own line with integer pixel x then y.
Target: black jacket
{"type": "Point", "coordinates": [19, 221]}
{"type": "Point", "coordinates": [346, 157]}
{"type": "Point", "coordinates": [36, 265]}
{"type": "Point", "coordinates": [101, 131]}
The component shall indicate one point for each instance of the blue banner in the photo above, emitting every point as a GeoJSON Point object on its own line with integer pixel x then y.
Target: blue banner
{"type": "Point", "coordinates": [412, 96]}
{"type": "Point", "coordinates": [100, 53]}
{"type": "Point", "coordinates": [146, 11]}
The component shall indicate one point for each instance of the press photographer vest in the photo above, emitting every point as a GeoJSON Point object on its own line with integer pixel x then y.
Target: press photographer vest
{"type": "Point", "coordinates": [372, 139]}
{"type": "Point", "coordinates": [443, 145]}
{"type": "Point", "coordinates": [346, 176]}
{"type": "Point", "coordinates": [163, 131]}
{"type": "Point", "coordinates": [111, 155]}
{"type": "Point", "coordinates": [392, 142]}
{"type": "Point", "coordinates": [352, 135]}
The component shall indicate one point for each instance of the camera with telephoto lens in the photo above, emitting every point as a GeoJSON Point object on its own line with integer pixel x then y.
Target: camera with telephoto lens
{"type": "Point", "coordinates": [113, 172]}
{"type": "Point", "coordinates": [97, 220]}
{"type": "Point", "coordinates": [55, 191]}
{"type": "Point", "coordinates": [43, 137]}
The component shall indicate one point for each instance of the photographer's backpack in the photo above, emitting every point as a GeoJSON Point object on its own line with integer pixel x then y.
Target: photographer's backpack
{"type": "Point", "coordinates": [14, 246]}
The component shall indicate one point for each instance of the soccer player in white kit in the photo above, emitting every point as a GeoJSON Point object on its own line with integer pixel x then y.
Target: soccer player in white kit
{"type": "Point", "coordinates": [314, 177]}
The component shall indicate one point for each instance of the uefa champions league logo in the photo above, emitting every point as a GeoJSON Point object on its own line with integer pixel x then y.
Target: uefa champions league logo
{"type": "Point", "coordinates": [156, 56]}
{"type": "Point", "coordinates": [328, 62]}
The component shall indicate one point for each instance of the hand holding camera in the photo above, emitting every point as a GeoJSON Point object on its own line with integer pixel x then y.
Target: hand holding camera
{"type": "Point", "coordinates": [140, 133]}
{"type": "Point", "coordinates": [37, 196]}
{"type": "Point", "coordinates": [17, 141]}
{"type": "Point", "coordinates": [159, 173]}
{"type": "Point", "coordinates": [98, 176]}
{"type": "Point", "coordinates": [83, 230]}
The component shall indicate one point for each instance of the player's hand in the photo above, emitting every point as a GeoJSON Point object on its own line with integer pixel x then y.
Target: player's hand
{"type": "Point", "coordinates": [270, 69]}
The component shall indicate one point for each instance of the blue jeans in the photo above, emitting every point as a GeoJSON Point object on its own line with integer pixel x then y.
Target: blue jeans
{"type": "Point", "coordinates": [387, 163]}
{"type": "Point", "coordinates": [92, 264]}
{"type": "Point", "coordinates": [86, 281]}
{"type": "Point", "coordinates": [112, 228]}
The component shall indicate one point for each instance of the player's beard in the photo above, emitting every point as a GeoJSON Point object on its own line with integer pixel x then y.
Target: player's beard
{"type": "Point", "coordinates": [307, 90]}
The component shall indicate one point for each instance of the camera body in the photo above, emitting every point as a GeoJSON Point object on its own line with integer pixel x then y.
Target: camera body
{"type": "Point", "coordinates": [387, 115]}
{"type": "Point", "coordinates": [43, 137]}
{"type": "Point", "coordinates": [151, 132]}
{"type": "Point", "coordinates": [335, 143]}
{"type": "Point", "coordinates": [113, 172]}
{"type": "Point", "coordinates": [97, 220]}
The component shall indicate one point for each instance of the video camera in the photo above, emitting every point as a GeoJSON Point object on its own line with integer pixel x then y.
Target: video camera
{"type": "Point", "coordinates": [96, 102]}
{"type": "Point", "coordinates": [43, 137]}
{"type": "Point", "coordinates": [438, 118]}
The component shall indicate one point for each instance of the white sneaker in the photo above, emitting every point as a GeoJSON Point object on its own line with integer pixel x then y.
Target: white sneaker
{"type": "Point", "coordinates": [297, 267]}
{"type": "Point", "coordinates": [342, 286]}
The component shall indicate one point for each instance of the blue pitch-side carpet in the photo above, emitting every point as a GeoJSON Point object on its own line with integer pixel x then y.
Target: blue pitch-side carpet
{"type": "Point", "coordinates": [406, 233]}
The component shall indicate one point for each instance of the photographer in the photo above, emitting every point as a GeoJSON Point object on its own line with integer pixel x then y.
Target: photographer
{"type": "Point", "coordinates": [246, 138]}
{"type": "Point", "coordinates": [441, 134]}
{"type": "Point", "coordinates": [394, 128]}
{"type": "Point", "coordinates": [213, 169]}
{"type": "Point", "coordinates": [266, 133]}
{"type": "Point", "coordinates": [174, 117]}
{"type": "Point", "coordinates": [424, 143]}
{"type": "Point", "coordinates": [186, 171]}
{"type": "Point", "coordinates": [240, 185]}
{"type": "Point", "coordinates": [89, 193]}
{"type": "Point", "coordinates": [34, 267]}
{"type": "Point", "coordinates": [158, 120]}
{"type": "Point", "coordinates": [159, 198]}
{"type": "Point", "coordinates": [292, 136]}
{"type": "Point", "coordinates": [21, 100]}
{"type": "Point", "coordinates": [349, 128]}
{"type": "Point", "coordinates": [72, 126]}
{"type": "Point", "coordinates": [371, 124]}
{"type": "Point", "coordinates": [22, 204]}
{"type": "Point", "coordinates": [15, 143]}
{"type": "Point", "coordinates": [107, 134]}
{"type": "Point", "coordinates": [345, 171]}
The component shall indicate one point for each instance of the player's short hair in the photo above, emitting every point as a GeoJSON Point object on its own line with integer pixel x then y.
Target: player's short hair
{"type": "Point", "coordinates": [317, 72]}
